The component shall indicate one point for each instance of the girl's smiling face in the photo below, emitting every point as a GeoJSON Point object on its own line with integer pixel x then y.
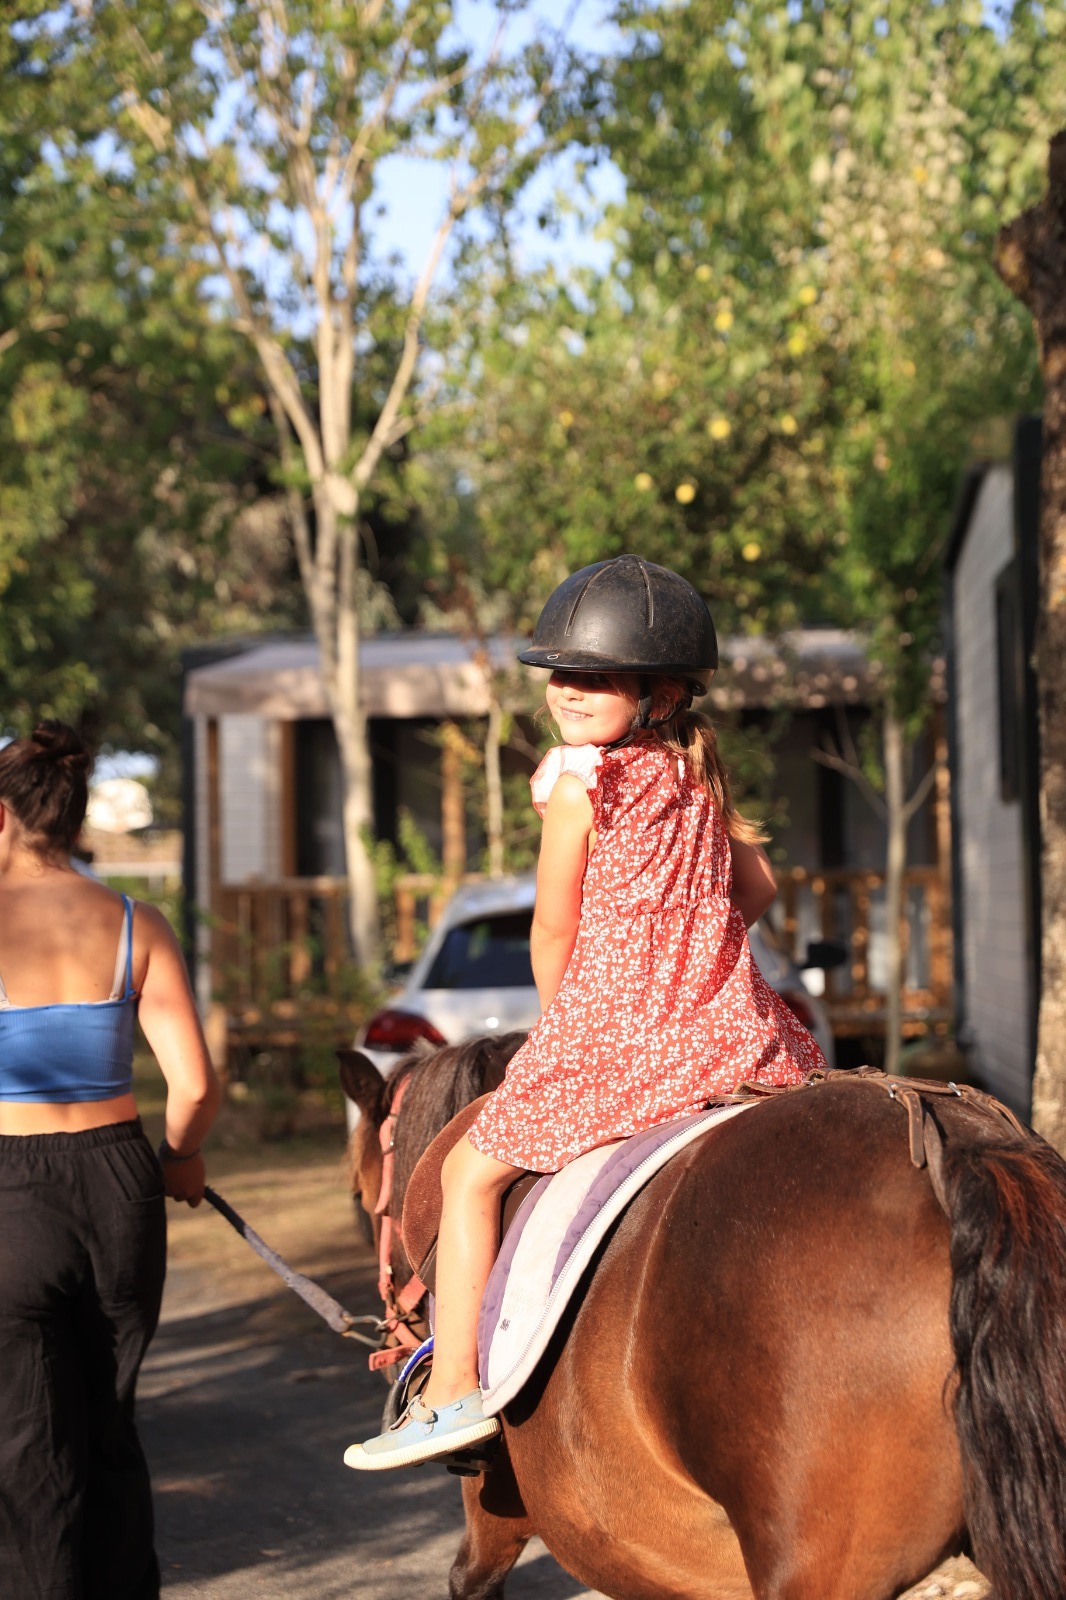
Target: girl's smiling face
{"type": "Point", "coordinates": [592, 707]}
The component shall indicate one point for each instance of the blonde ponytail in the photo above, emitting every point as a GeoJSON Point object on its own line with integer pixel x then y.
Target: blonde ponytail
{"type": "Point", "coordinates": [693, 736]}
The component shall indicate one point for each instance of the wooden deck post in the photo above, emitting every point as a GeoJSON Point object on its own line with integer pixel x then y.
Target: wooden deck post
{"type": "Point", "coordinates": [452, 810]}
{"type": "Point", "coordinates": [215, 1023]}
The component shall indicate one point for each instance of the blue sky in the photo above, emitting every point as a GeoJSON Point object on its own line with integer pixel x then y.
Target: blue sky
{"type": "Point", "coordinates": [414, 192]}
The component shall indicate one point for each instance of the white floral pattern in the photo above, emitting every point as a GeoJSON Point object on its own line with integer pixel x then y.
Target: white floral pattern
{"type": "Point", "coordinates": [662, 1006]}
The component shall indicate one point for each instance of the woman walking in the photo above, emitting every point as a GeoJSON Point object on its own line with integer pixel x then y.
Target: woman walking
{"type": "Point", "coordinates": [82, 1223]}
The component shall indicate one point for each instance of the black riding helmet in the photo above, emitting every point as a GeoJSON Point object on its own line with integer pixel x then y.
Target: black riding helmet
{"type": "Point", "coordinates": [627, 615]}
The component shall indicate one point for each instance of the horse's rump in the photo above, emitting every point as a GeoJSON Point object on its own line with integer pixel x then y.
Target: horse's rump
{"type": "Point", "coordinates": [767, 1328]}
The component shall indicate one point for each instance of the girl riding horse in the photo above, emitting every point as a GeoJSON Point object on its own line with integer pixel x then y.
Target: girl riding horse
{"type": "Point", "coordinates": [652, 1003]}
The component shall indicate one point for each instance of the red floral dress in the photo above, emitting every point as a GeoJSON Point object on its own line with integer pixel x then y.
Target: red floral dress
{"type": "Point", "coordinates": [662, 1006]}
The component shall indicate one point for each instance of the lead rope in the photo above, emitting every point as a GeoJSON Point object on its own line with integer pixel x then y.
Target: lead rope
{"type": "Point", "coordinates": [398, 1307]}
{"type": "Point", "coordinates": [331, 1311]}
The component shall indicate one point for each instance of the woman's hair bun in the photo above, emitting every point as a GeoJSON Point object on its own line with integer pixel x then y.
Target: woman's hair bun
{"type": "Point", "coordinates": [61, 742]}
{"type": "Point", "coordinates": [45, 781]}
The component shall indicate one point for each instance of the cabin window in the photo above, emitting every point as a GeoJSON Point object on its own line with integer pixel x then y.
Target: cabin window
{"type": "Point", "coordinates": [319, 800]}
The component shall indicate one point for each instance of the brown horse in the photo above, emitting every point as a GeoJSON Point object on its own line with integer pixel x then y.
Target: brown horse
{"type": "Point", "coordinates": [795, 1373]}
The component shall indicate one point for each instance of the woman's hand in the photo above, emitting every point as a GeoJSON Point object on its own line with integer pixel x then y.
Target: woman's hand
{"type": "Point", "coordinates": [183, 1176]}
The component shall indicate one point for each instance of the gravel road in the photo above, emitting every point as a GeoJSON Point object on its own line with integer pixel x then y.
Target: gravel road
{"type": "Point", "coordinates": [247, 1402]}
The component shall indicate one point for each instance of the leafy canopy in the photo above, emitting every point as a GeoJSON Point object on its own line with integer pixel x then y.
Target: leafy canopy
{"type": "Point", "coordinates": [801, 338]}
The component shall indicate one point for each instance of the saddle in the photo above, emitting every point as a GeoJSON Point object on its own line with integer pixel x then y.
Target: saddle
{"type": "Point", "coordinates": [420, 1223]}
{"type": "Point", "coordinates": [554, 1227]}
{"type": "Point", "coordinates": [915, 1096]}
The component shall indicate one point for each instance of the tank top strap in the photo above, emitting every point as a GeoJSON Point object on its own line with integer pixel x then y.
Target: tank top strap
{"type": "Point", "coordinates": [122, 984]}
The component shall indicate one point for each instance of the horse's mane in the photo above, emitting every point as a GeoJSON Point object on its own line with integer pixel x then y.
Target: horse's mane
{"type": "Point", "coordinates": [439, 1084]}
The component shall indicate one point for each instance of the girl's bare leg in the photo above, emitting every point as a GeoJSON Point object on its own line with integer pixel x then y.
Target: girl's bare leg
{"type": "Point", "coordinates": [466, 1249]}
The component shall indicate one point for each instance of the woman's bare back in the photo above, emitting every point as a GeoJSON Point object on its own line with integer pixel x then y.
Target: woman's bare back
{"type": "Point", "coordinates": [59, 937]}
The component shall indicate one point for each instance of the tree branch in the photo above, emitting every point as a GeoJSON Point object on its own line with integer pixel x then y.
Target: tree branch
{"type": "Point", "coordinates": [463, 198]}
{"type": "Point", "coordinates": [917, 799]}
{"type": "Point", "coordinates": [377, 120]}
{"type": "Point", "coordinates": [41, 324]}
{"type": "Point", "coordinates": [289, 465]}
{"type": "Point", "coordinates": [827, 758]}
{"type": "Point", "coordinates": [158, 129]}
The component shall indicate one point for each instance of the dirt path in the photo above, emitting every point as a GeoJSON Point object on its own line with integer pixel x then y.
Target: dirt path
{"type": "Point", "coordinates": [247, 1402]}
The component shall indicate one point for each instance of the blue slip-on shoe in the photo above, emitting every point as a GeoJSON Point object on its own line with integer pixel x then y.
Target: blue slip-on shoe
{"type": "Point", "coordinates": [422, 1434]}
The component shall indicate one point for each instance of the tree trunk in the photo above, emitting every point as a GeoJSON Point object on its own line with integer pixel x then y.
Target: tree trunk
{"type": "Point", "coordinates": [494, 788]}
{"type": "Point", "coordinates": [895, 864]}
{"type": "Point", "coordinates": [1031, 259]}
{"type": "Point", "coordinates": [453, 807]}
{"type": "Point", "coordinates": [358, 812]}
{"type": "Point", "coordinates": [334, 612]}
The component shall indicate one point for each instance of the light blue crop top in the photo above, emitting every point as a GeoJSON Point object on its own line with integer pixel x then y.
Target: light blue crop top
{"type": "Point", "coordinates": [81, 1051]}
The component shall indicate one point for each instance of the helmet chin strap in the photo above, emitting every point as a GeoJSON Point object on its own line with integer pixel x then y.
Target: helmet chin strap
{"type": "Point", "coordinates": [643, 719]}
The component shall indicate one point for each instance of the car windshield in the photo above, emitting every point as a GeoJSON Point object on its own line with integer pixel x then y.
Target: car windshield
{"type": "Point", "coordinates": [492, 952]}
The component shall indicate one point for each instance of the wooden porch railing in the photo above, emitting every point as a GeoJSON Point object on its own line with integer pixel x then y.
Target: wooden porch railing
{"type": "Point", "coordinates": [282, 964]}
{"type": "Point", "coordinates": [281, 951]}
{"type": "Point", "coordinates": [419, 898]}
{"type": "Point", "coordinates": [847, 906]}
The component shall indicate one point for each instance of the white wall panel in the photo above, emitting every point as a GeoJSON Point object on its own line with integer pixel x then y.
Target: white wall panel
{"type": "Point", "coordinates": [991, 862]}
{"type": "Point", "coordinates": [249, 801]}
{"type": "Point", "coordinates": [200, 889]}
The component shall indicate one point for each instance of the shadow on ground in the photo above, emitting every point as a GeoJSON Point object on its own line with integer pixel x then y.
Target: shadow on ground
{"type": "Point", "coordinates": [246, 1407]}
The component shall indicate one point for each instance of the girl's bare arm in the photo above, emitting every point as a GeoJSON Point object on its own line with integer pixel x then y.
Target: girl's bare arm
{"type": "Point", "coordinates": [564, 850]}
{"type": "Point", "coordinates": [754, 885]}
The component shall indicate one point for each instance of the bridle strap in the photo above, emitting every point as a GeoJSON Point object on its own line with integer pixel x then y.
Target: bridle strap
{"type": "Point", "coordinates": [387, 1140]}
{"type": "Point", "coordinates": [398, 1307]}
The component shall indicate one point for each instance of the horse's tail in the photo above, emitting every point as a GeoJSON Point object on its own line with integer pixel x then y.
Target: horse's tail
{"type": "Point", "coordinates": [1007, 1208]}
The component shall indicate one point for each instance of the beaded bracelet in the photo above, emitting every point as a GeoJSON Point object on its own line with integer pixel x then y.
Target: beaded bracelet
{"type": "Point", "coordinates": [165, 1153]}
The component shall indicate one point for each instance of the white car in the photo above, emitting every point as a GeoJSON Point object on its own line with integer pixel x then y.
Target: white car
{"type": "Point", "coordinates": [474, 976]}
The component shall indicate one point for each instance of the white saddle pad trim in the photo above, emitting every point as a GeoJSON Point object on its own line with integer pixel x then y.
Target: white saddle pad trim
{"type": "Point", "coordinates": [531, 1305]}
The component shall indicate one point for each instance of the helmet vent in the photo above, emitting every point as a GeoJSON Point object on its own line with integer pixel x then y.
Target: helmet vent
{"type": "Point", "coordinates": [647, 591]}
{"type": "Point", "coordinates": [597, 572]}
{"type": "Point", "coordinates": [577, 602]}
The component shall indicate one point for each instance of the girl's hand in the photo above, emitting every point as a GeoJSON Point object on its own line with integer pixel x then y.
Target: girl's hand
{"type": "Point", "coordinates": [754, 885]}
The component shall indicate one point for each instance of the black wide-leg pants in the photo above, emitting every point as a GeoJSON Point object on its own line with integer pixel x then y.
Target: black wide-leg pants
{"type": "Point", "coordinates": [82, 1262]}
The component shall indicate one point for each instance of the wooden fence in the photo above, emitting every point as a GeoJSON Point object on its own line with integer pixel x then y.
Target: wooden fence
{"type": "Point", "coordinates": [848, 907]}
{"type": "Point", "coordinates": [282, 963]}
